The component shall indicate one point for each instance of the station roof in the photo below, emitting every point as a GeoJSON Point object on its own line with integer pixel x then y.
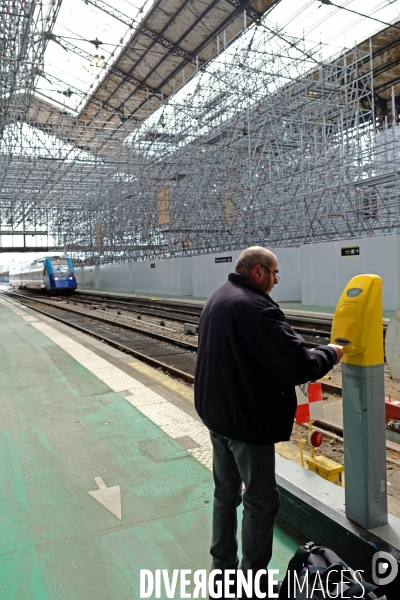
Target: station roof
{"type": "Point", "coordinates": [385, 60]}
{"type": "Point", "coordinates": [146, 58]}
{"type": "Point", "coordinates": [161, 52]}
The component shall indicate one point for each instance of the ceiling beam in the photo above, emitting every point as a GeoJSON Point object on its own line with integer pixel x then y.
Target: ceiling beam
{"type": "Point", "coordinates": [100, 4]}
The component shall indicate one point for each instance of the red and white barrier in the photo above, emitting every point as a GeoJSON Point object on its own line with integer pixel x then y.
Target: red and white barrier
{"type": "Point", "coordinates": [392, 409]}
{"type": "Point", "coordinates": [309, 406]}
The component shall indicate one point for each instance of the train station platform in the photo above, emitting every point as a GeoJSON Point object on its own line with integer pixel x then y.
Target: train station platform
{"type": "Point", "coordinates": [104, 470]}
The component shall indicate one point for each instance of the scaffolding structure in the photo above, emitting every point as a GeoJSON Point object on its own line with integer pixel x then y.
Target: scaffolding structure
{"type": "Point", "coordinates": [22, 48]}
{"type": "Point", "coordinates": [20, 24]}
{"type": "Point", "coordinates": [267, 144]}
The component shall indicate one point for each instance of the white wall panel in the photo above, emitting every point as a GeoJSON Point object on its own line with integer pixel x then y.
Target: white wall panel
{"type": "Point", "coordinates": [164, 278]}
{"type": "Point", "coordinates": [79, 276]}
{"type": "Point", "coordinates": [187, 276]}
{"type": "Point", "coordinates": [289, 287]}
{"type": "Point", "coordinates": [209, 275]}
{"type": "Point", "coordinates": [349, 266]}
{"type": "Point", "coordinates": [114, 277]}
{"type": "Point", "coordinates": [131, 276]}
{"type": "Point", "coordinates": [306, 273]}
{"type": "Point", "coordinates": [87, 276]}
{"type": "Point", "coordinates": [325, 272]}
{"type": "Point", "coordinates": [383, 259]}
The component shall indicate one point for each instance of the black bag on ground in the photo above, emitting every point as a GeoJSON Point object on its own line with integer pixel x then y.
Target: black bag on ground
{"type": "Point", "coordinates": [318, 573]}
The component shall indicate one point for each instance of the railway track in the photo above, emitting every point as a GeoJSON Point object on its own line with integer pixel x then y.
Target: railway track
{"type": "Point", "coordinates": [89, 315]}
{"type": "Point", "coordinates": [315, 332]}
{"type": "Point", "coordinates": [150, 308]}
{"type": "Point", "coordinates": [193, 317]}
{"type": "Point", "coordinates": [141, 307]}
{"type": "Point", "coordinates": [161, 351]}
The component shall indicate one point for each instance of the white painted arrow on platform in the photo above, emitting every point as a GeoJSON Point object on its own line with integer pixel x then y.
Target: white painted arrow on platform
{"type": "Point", "coordinates": [110, 497]}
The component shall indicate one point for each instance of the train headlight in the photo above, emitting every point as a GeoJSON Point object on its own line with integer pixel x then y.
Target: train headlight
{"type": "Point", "coordinates": [56, 278]}
{"type": "Point", "coordinates": [71, 277]}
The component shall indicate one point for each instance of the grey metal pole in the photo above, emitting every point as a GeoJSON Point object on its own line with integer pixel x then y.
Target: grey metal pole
{"type": "Point", "coordinates": [364, 444]}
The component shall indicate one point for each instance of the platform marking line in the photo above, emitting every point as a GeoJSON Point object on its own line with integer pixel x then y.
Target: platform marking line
{"type": "Point", "coordinates": [29, 319]}
{"type": "Point", "coordinates": [140, 397]}
{"type": "Point", "coordinates": [17, 308]}
{"type": "Point", "coordinates": [172, 420]}
{"type": "Point", "coordinates": [18, 312]}
{"type": "Point", "coordinates": [14, 306]}
{"type": "Point", "coordinates": [118, 384]}
{"type": "Point", "coordinates": [92, 363]}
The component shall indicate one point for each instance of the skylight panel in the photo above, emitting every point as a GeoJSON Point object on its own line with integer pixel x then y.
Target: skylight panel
{"type": "Point", "coordinates": [86, 40]}
{"type": "Point", "coordinates": [83, 44]}
{"type": "Point", "coordinates": [312, 32]}
{"type": "Point", "coordinates": [332, 26]}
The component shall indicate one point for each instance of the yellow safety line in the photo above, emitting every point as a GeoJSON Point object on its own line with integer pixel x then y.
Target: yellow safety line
{"type": "Point", "coordinates": [289, 451]}
{"type": "Point", "coordinates": [175, 386]}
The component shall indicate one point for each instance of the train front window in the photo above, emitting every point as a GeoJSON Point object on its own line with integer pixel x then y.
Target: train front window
{"type": "Point", "coordinates": [60, 266]}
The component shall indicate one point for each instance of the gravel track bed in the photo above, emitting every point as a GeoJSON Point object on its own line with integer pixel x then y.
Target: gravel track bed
{"type": "Point", "coordinates": [173, 329]}
{"type": "Point", "coordinates": [181, 309]}
{"type": "Point", "coordinates": [392, 388]}
{"type": "Point", "coordinates": [152, 311]}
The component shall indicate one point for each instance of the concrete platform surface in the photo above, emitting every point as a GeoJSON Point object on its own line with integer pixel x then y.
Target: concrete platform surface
{"type": "Point", "coordinates": [103, 471]}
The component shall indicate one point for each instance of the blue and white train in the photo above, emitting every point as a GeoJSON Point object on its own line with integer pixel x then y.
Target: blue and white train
{"type": "Point", "coordinates": [53, 273]}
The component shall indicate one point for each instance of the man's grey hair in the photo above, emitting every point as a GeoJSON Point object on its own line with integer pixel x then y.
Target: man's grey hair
{"type": "Point", "coordinates": [251, 257]}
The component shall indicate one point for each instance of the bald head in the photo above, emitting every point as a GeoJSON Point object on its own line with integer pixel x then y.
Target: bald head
{"type": "Point", "coordinates": [253, 256]}
{"type": "Point", "coordinates": [259, 266]}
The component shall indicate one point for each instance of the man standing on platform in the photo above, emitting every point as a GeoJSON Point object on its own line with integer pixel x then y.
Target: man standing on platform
{"type": "Point", "coordinates": [249, 361]}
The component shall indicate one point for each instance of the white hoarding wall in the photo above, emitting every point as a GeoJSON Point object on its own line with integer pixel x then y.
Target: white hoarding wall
{"type": "Point", "coordinates": [327, 267]}
{"type": "Point", "coordinates": [158, 276]}
{"type": "Point", "coordinates": [289, 287]}
{"type": "Point", "coordinates": [210, 271]}
{"type": "Point", "coordinates": [79, 275]}
{"type": "Point", "coordinates": [114, 277]}
{"type": "Point", "coordinates": [314, 274]}
{"type": "Point", "coordinates": [186, 276]}
{"type": "Point", "coordinates": [85, 277]}
{"type": "Point", "coordinates": [197, 276]}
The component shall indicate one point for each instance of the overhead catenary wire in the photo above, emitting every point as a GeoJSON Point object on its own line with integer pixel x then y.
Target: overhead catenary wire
{"type": "Point", "coordinates": [330, 3]}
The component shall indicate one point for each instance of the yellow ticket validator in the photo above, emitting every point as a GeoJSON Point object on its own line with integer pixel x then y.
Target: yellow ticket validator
{"type": "Point", "coordinates": [357, 322]}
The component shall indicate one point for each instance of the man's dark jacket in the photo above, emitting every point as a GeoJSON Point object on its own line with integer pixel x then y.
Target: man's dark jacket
{"type": "Point", "coordinates": [249, 360]}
